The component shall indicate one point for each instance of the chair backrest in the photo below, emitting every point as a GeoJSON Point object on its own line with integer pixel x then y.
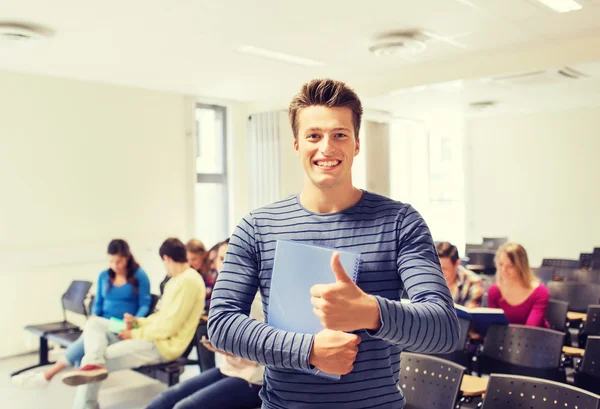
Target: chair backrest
{"type": "Point", "coordinates": [510, 391]}
{"type": "Point", "coordinates": [429, 382]}
{"type": "Point", "coordinates": [494, 243]}
{"type": "Point", "coordinates": [578, 276]}
{"type": "Point", "coordinates": [74, 299]}
{"type": "Point", "coordinates": [524, 346]}
{"type": "Point", "coordinates": [592, 322]}
{"type": "Point", "coordinates": [486, 259]}
{"type": "Point", "coordinates": [560, 263]}
{"type": "Point", "coordinates": [544, 274]}
{"type": "Point", "coordinates": [585, 260]}
{"type": "Point", "coordinates": [556, 314]}
{"type": "Point", "coordinates": [470, 248]}
{"type": "Point", "coordinates": [153, 303]}
{"type": "Point", "coordinates": [579, 295]}
{"type": "Point", "coordinates": [591, 358]}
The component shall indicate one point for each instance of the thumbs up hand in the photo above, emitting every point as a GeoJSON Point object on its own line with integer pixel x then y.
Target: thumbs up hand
{"type": "Point", "coordinates": [343, 306]}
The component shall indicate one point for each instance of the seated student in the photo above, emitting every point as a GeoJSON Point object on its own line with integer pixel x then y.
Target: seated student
{"type": "Point", "coordinates": [163, 336]}
{"type": "Point", "coordinates": [197, 257]}
{"type": "Point", "coordinates": [209, 274]}
{"type": "Point", "coordinates": [522, 297]}
{"type": "Point", "coordinates": [123, 288]}
{"type": "Point", "coordinates": [466, 286]}
{"type": "Point", "coordinates": [235, 385]}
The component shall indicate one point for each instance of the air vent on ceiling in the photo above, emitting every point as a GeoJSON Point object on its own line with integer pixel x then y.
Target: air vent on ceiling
{"type": "Point", "coordinates": [541, 77]}
{"type": "Point", "coordinates": [11, 31]}
{"type": "Point", "coordinates": [401, 43]}
{"type": "Point", "coordinates": [478, 105]}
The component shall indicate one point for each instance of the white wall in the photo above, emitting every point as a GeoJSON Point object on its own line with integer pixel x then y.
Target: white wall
{"type": "Point", "coordinates": [81, 163]}
{"type": "Point", "coordinates": [535, 179]}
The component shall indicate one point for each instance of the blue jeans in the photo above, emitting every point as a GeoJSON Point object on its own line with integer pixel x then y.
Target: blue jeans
{"type": "Point", "coordinates": [209, 390]}
{"type": "Point", "coordinates": [74, 352]}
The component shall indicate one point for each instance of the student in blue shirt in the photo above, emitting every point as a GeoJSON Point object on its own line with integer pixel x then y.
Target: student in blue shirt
{"type": "Point", "coordinates": [122, 288]}
{"type": "Point", "coordinates": [366, 327]}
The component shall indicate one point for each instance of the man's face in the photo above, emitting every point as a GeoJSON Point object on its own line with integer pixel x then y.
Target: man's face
{"type": "Point", "coordinates": [326, 145]}
{"type": "Point", "coordinates": [449, 269]}
{"type": "Point", "coordinates": [196, 260]}
{"type": "Point", "coordinates": [221, 256]}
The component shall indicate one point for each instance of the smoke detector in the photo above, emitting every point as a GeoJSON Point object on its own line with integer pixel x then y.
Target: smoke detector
{"type": "Point", "coordinates": [405, 43]}
{"type": "Point", "coordinates": [480, 105]}
{"type": "Point", "coordinates": [22, 32]}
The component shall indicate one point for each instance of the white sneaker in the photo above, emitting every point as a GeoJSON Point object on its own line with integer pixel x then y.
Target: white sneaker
{"type": "Point", "coordinates": [31, 380]}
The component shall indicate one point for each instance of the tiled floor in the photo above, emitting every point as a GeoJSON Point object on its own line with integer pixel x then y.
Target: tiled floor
{"type": "Point", "coordinates": [122, 390]}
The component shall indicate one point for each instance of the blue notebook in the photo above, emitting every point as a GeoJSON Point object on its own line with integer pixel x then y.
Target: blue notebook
{"type": "Point", "coordinates": [296, 268]}
{"type": "Point", "coordinates": [482, 318]}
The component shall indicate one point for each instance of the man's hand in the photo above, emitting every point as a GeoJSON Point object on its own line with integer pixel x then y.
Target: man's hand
{"type": "Point", "coordinates": [334, 352]}
{"type": "Point", "coordinates": [206, 343]}
{"type": "Point", "coordinates": [129, 321]}
{"type": "Point", "coordinates": [125, 334]}
{"type": "Point", "coordinates": [343, 306]}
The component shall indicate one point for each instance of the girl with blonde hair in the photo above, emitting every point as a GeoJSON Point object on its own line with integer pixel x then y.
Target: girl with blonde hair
{"type": "Point", "coordinates": [522, 297]}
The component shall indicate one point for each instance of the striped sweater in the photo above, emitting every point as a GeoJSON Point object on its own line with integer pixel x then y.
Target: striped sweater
{"type": "Point", "coordinates": [398, 252]}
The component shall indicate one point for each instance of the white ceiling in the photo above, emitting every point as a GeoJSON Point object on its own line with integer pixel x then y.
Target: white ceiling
{"type": "Point", "coordinates": [190, 46]}
{"type": "Point", "coordinates": [545, 91]}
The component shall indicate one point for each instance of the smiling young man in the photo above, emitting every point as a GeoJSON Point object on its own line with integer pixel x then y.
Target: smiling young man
{"type": "Point", "coordinates": [366, 326]}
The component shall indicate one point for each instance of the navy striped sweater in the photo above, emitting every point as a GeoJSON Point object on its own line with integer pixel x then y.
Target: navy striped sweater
{"type": "Point", "coordinates": [398, 253]}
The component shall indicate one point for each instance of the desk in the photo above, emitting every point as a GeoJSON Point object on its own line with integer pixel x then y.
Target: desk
{"type": "Point", "coordinates": [473, 385]}
{"type": "Point", "coordinates": [571, 315]}
{"type": "Point", "coordinates": [571, 351]}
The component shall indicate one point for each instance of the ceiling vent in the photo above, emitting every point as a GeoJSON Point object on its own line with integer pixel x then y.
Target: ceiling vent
{"type": "Point", "coordinates": [10, 31]}
{"type": "Point", "coordinates": [541, 77]}
{"type": "Point", "coordinates": [402, 43]}
{"type": "Point", "coordinates": [481, 105]}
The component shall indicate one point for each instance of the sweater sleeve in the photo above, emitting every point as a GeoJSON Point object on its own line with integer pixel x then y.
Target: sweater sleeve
{"type": "Point", "coordinates": [229, 326]}
{"type": "Point", "coordinates": [494, 296]}
{"type": "Point", "coordinates": [174, 311]}
{"type": "Point", "coordinates": [429, 323]}
{"type": "Point", "coordinates": [144, 298]}
{"type": "Point", "coordinates": [537, 315]}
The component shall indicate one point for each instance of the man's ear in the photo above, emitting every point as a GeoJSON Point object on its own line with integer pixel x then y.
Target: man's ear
{"type": "Point", "coordinates": [296, 147]}
{"type": "Point", "coordinates": [357, 149]}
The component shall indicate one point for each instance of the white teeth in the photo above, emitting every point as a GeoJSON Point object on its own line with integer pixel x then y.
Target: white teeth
{"type": "Point", "coordinates": [328, 163]}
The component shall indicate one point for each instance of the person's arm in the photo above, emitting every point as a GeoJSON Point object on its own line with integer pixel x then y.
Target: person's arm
{"type": "Point", "coordinates": [537, 315]}
{"type": "Point", "coordinates": [144, 297]}
{"type": "Point", "coordinates": [99, 297]}
{"type": "Point", "coordinates": [474, 294]}
{"type": "Point", "coordinates": [173, 313]}
{"type": "Point", "coordinates": [429, 323]}
{"type": "Point", "coordinates": [229, 327]}
{"type": "Point", "coordinates": [494, 297]}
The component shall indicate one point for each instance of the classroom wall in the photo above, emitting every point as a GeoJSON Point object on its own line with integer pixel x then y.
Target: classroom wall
{"type": "Point", "coordinates": [534, 178]}
{"type": "Point", "coordinates": [81, 163]}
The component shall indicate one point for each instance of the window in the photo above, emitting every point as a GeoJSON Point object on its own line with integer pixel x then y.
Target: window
{"type": "Point", "coordinates": [211, 205]}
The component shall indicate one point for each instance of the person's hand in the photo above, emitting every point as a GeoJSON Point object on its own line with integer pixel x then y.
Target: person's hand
{"type": "Point", "coordinates": [343, 306]}
{"type": "Point", "coordinates": [206, 343]}
{"type": "Point", "coordinates": [130, 320]}
{"type": "Point", "coordinates": [125, 334]}
{"type": "Point", "coordinates": [334, 352]}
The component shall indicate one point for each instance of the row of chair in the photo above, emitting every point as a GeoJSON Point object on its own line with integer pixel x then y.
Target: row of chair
{"type": "Point", "coordinates": [434, 383]}
{"type": "Point", "coordinates": [65, 332]}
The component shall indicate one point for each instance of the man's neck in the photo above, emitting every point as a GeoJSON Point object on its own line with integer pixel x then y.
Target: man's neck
{"type": "Point", "coordinates": [330, 200]}
{"type": "Point", "coordinates": [179, 268]}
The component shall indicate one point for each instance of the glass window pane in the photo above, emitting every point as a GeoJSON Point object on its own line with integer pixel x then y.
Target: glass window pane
{"type": "Point", "coordinates": [210, 140]}
{"type": "Point", "coordinates": [211, 213]}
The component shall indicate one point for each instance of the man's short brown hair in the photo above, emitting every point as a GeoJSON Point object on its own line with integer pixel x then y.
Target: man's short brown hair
{"type": "Point", "coordinates": [328, 93]}
{"type": "Point", "coordinates": [449, 250]}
